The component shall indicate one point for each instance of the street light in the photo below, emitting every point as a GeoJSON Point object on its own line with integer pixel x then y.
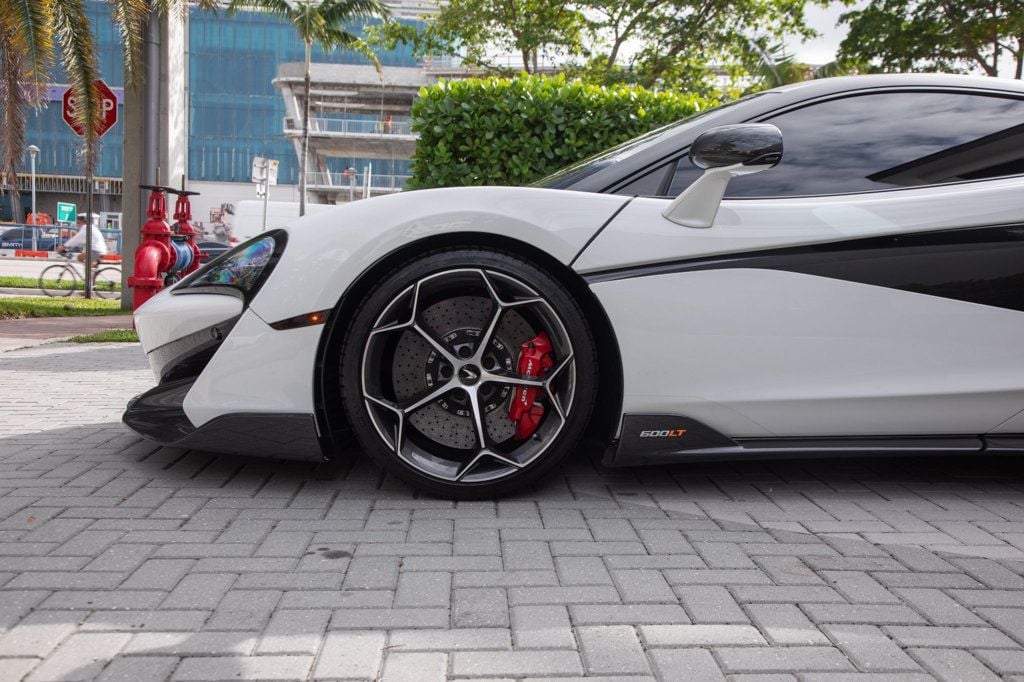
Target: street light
{"type": "Point", "coordinates": [32, 152]}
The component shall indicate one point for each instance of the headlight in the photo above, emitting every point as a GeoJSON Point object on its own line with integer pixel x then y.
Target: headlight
{"type": "Point", "coordinates": [240, 271]}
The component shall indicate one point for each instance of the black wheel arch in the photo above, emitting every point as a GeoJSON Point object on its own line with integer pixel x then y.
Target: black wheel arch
{"type": "Point", "coordinates": [334, 429]}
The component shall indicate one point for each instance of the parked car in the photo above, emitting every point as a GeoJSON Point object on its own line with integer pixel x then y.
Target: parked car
{"type": "Point", "coordinates": [211, 249]}
{"type": "Point", "coordinates": [469, 337]}
{"type": "Point", "coordinates": [21, 238]}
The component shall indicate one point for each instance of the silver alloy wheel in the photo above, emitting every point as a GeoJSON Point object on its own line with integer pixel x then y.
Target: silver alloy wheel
{"type": "Point", "coordinates": [470, 374]}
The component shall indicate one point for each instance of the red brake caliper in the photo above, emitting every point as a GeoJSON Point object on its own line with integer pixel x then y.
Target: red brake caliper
{"type": "Point", "coordinates": [534, 359]}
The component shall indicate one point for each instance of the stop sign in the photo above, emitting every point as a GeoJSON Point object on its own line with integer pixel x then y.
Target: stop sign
{"type": "Point", "coordinates": [108, 110]}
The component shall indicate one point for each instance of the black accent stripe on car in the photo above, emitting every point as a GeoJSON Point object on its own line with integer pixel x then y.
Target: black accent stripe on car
{"type": "Point", "coordinates": [974, 264]}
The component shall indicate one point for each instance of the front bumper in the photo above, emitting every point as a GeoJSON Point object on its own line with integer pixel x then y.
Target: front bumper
{"type": "Point", "coordinates": [228, 381]}
{"type": "Point", "coordinates": [158, 415]}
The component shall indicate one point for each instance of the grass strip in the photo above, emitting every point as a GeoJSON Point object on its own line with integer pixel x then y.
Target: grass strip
{"type": "Point", "coordinates": [17, 282]}
{"type": "Point", "coordinates": [21, 307]}
{"type": "Point", "coordinates": [110, 335]}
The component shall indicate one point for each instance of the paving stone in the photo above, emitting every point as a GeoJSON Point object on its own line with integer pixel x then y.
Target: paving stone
{"type": "Point", "coordinates": [199, 591]}
{"type": "Point", "coordinates": [611, 649]}
{"type": "Point", "coordinates": [950, 637]}
{"type": "Point", "coordinates": [146, 621]}
{"type": "Point", "coordinates": [515, 663]}
{"type": "Point", "coordinates": [80, 657]}
{"type": "Point", "coordinates": [423, 588]}
{"type": "Point", "coordinates": [192, 643]}
{"type": "Point", "coordinates": [351, 654]}
{"type": "Point", "coordinates": [858, 587]}
{"type": "Point", "coordinates": [136, 668]}
{"type": "Point", "coordinates": [699, 635]}
{"type": "Point", "coordinates": [581, 594]}
{"type": "Point", "coordinates": [582, 570]}
{"type": "Point", "coordinates": [782, 659]}
{"type": "Point", "coordinates": [937, 607]}
{"type": "Point", "coordinates": [542, 627]}
{"type": "Point", "coordinates": [628, 614]}
{"type": "Point", "coordinates": [1002, 662]}
{"type": "Point", "coordinates": [862, 613]}
{"type": "Point", "coordinates": [870, 649]}
{"type": "Point", "coordinates": [480, 607]}
{"type": "Point", "coordinates": [244, 610]}
{"type": "Point", "coordinates": [710, 604]}
{"type": "Point", "coordinates": [477, 639]}
{"type": "Point", "coordinates": [205, 669]}
{"type": "Point", "coordinates": [953, 664]}
{"type": "Point", "coordinates": [158, 574]}
{"type": "Point", "coordinates": [415, 667]}
{"type": "Point", "coordinates": [389, 619]}
{"type": "Point", "coordinates": [697, 665]}
{"type": "Point", "coordinates": [642, 587]}
{"type": "Point", "coordinates": [785, 624]}
{"type": "Point", "coordinates": [38, 633]}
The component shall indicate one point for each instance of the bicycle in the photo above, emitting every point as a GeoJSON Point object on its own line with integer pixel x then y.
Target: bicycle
{"type": "Point", "coordinates": [63, 279]}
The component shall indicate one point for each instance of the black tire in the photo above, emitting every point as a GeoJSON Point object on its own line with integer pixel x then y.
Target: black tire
{"type": "Point", "coordinates": [572, 381]}
{"type": "Point", "coordinates": [107, 283]}
{"type": "Point", "coordinates": [62, 274]}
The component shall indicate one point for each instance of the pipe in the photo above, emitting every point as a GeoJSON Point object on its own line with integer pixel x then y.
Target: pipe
{"type": "Point", "coordinates": [151, 130]}
{"type": "Point", "coordinates": [149, 259]}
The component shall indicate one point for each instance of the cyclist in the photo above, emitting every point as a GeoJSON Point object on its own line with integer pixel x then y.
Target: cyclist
{"type": "Point", "coordinates": [99, 246]}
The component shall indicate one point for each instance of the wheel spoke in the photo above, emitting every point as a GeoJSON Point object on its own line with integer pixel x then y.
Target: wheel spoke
{"type": "Point", "coordinates": [436, 345]}
{"type": "Point", "coordinates": [478, 417]}
{"type": "Point", "coordinates": [426, 399]}
{"type": "Point", "coordinates": [399, 435]}
{"type": "Point", "coordinates": [513, 380]}
{"type": "Point", "coordinates": [472, 464]}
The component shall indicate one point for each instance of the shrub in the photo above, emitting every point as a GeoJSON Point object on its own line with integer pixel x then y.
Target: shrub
{"type": "Point", "coordinates": [513, 131]}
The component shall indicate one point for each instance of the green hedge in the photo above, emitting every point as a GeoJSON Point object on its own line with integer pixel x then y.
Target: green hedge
{"type": "Point", "coordinates": [512, 131]}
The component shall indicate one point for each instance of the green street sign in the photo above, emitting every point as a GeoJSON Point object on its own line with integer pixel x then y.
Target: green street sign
{"type": "Point", "coordinates": [66, 213]}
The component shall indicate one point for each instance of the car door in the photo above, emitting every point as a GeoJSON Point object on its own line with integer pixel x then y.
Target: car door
{"type": "Point", "coordinates": [865, 313]}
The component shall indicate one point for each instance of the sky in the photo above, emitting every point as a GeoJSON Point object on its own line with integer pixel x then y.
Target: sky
{"type": "Point", "coordinates": [823, 49]}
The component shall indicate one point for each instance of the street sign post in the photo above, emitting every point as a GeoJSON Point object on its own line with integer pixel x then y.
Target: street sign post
{"type": "Point", "coordinates": [264, 174]}
{"type": "Point", "coordinates": [66, 213]}
{"type": "Point", "coordinates": [108, 117]}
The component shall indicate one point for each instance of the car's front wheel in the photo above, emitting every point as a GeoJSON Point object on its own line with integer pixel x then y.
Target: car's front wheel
{"type": "Point", "coordinates": [469, 372]}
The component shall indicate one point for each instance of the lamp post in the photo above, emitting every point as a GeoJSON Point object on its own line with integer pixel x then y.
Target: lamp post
{"type": "Point", "coordinates": [33, 151]}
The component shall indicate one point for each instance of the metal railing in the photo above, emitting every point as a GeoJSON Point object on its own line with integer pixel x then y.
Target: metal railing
{"type": "Point", "coordinates": [356, 184]}
{"type": "Point", "coordinates": [18, 237]}
{"type": "Point", "coordinates": [351, 126]}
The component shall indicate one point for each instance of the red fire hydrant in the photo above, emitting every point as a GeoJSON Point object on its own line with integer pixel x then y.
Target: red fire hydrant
{"type": "Point", "coordinates": [154, 254]}
{"type": "Point", "coordinates": [162, 252]}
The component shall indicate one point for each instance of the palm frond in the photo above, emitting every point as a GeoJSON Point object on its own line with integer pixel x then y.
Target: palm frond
{"type": "Point", "coordinates": [349, 41]}
{"type": "Point", "coordinates": [29, 35]}
{"type": "Point", "coordinates": [15, 108]}
{"type": "Point", "coordinates": [278, 7]}
{"type": "Point", "coordinates": [78, 57]}
{"type": "Point", "coordinates": [131, 17]}
{"type": "Point", "coordinates": [336, 12]}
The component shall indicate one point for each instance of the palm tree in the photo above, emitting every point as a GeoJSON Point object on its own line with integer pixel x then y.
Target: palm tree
{"type": "Point", "coordinates": [34, 32]}
{"type": "Point", "coordinates": [322, 23]}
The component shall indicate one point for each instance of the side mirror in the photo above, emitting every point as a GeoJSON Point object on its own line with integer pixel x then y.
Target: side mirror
{"type": "Point", "coordinates": [724, 153]}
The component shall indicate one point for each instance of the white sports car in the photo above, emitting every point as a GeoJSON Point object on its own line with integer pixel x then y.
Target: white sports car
{"type": "Point", "coordinates": [468, 338]}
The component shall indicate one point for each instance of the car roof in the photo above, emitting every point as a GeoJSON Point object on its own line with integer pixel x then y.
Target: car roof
{"type": "Point", "coordinates": [828, 86]}
{"type": "Point", "coordinates": [676, 138]}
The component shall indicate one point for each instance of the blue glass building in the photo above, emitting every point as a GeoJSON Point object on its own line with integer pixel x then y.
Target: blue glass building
{"type": "Point", "coordinates": [235, 113]}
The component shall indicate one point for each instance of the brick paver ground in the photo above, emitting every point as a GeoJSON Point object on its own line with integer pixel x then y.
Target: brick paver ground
{"type": "Point", "coordinates": [120, 560]}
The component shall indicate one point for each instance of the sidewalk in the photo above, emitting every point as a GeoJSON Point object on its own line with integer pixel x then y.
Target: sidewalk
{"type": "Point", "coordinates": [37, 330]}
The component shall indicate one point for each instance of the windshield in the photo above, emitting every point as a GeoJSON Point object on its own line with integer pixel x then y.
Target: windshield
{"type": "Point", "coordinates": [570, 175]}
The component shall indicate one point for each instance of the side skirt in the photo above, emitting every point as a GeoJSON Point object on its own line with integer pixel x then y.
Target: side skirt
{"type": "Point", "coordinates": [655, 439]}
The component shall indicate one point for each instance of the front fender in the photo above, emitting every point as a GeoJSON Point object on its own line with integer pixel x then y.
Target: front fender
{"type": "Point", "coordinates": [328, 251]}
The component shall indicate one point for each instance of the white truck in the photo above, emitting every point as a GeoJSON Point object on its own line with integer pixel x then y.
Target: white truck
{"type": "Point", "coordinates": [247, 221]}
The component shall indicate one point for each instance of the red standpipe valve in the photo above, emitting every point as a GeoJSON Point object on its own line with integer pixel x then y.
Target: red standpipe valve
{"type": "Point", "coordinates": [155, 254]}
{"type": "Point", "coordinates": [183, 225]}
{"type": "Point", "coordinates": [534, 360]}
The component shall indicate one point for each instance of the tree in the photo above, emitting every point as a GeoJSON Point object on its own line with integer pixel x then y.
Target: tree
{"type": "Point", "coordinates": [937, 35]}
{"type": "Point", "coordinates": [37, 34]}
{"type": "Point", "coordinates": [322, 23]}
{"type": "Point", "coordinates": [474, 29]}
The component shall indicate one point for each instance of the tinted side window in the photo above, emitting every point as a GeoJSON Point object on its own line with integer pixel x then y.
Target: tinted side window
{"type": "Point", "coordinates": [887, 140]}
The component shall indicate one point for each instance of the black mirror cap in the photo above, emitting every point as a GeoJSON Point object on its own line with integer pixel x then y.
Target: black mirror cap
{"type": "Point", "coordinates": [748, 144]}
